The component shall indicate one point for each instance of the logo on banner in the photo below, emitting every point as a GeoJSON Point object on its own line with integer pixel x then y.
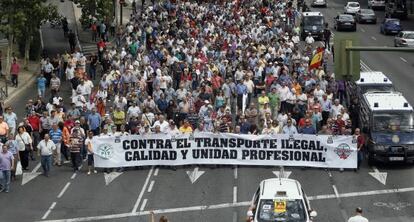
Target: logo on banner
{"type": "Point", "coordinates": [329, 140]}
{"type": "Point", "coordinates": [343, 151]}
{"type": "Point", "coordinates": [105, 151]}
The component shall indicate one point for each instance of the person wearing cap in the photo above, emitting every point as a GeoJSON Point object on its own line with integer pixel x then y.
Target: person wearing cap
{"type": "Point", "coordinates": [358, 216]}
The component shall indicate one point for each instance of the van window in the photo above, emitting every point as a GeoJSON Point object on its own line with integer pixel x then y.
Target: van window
{"type": "Point", "coordinates": [313, 20]}
{"type": "Point", "coordinates": [393, 122]}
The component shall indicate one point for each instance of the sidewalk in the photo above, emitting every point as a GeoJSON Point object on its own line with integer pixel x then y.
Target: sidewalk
{"type": "Point", "coordinates": [27, 79]}
{"type": "Point", "coordinates": [85, 36]}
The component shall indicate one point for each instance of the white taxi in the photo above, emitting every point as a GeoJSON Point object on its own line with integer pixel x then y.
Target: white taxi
{"type": "Point", "coordinates": [280, 199]}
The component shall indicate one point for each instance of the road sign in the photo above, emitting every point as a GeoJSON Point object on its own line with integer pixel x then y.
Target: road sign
{"type": "Point", "coordinates": [347, 66]}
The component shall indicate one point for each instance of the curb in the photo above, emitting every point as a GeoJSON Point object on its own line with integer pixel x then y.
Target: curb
{"type": "Point", "coordinates": [27, 84]}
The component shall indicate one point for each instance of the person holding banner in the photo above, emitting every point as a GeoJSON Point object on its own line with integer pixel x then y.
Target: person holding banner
{"type": "Point", "coordinates": [88, 143]}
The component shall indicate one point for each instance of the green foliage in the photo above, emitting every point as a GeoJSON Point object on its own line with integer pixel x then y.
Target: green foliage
{"type": "Point", "coordinates": [23, 18]}
{"type": "Point", "coordinates": [99, 9]}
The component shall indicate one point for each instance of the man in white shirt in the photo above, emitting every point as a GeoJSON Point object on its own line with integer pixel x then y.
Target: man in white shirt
{"type": "Point", "coordinates": [46, 147]}
{"type": "Point", "coordinates": [163, 124]}
{"type": "Point", "coordinates": [358, 217]}
{"type": "Point", "coordinates": [336, 108]}
{"type": "Point", "coordinates": [133, 111]}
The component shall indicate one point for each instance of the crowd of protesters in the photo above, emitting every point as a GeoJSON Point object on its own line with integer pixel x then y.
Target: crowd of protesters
{"type": "Point", "coordinates": [181, 67]}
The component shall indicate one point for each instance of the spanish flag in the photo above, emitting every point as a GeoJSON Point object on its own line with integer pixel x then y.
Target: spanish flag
{"type": "Point", "coordinates": [317, 59]}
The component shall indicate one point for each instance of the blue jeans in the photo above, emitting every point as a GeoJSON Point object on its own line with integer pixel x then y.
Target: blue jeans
{"type": "Point", "coordinates": [5, 182]}
{"type": "Point", "coordinates": [46, 162]}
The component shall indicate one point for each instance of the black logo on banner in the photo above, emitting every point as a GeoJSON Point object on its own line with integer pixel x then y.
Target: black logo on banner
{"type": "Point", "coordinates": [330, 140]}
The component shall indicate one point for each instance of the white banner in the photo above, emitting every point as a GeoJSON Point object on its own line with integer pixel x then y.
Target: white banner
{"type": "Point", "coordinates": [232, 149]}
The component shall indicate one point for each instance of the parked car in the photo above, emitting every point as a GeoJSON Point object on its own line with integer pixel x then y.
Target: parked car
{"type": "Point", "coordinates": [376, 4]}
{"type": "Point", "coordinates": [366, 16]}
{"type": "Point", "coordinates": [404, 39]}
{"type": "Point", "coordinates": [352, 8]}
{"type": "Point", "coordinates": [344, 22]}
{"type": "Point", "coordinates": [319, 3]}
{"type": "Point", "coordinates": [390, 26]}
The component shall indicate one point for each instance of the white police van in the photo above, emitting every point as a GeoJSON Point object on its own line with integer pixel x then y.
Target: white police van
{"type": "Point", "coordinates": [372, 81]}
{"type": "Point", "coordinates": [388, 121]}
{"type": "Point", "coordinates": [281, 199]}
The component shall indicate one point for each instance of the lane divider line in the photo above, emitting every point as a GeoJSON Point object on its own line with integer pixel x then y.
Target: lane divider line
{"type": "Point", "coordinates": [235, 194]}
{"type": "Point", "coordinates": [63, 190]}
{"type": "Point", "coordinates": [49, 210]}
{"type": "Point", "coordinates": [141, 194]}
{"type": "Point", "coordinates": [403, 59]}
{"type": "Point", "coordinates": [144, 203]}
{"type": "Point", "coordinates": [151, 186]}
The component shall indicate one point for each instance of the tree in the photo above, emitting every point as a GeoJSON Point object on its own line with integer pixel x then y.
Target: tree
{"type": "Point", "coordinates": [11, 22]}
{"type": "Point", "coordinates": [22, 19]}
{"type": "Point", "coordinates": [102, 10]}
{"type": "Point", "coordinates": [37, 12]}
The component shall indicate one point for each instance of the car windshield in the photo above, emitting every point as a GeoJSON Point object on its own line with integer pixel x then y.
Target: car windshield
{"type": "Point", "coordinates": [376, 88]}
{"type": "Point", "coordinates": [393, 21]}
{"type": "Point", "coordinates": [353, 4]}
{"type": "Point", "coordinates": [313, 20]}
{"type": "Point", "coordinates": [367, 11]}
{"type": "Point", "coordinates": [409, 35]}
{"type": "Point", "coordinates": [346, 18]}
{"type": "Point", "coordinates": [281, 210]}
{"type": "Point", "coordinates": [393, 121]}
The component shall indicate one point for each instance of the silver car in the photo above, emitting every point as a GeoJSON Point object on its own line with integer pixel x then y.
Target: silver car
{"type": "Point", "coordinates": [319, 3]}
{"type": "Point", "coordinates": [404, 39]}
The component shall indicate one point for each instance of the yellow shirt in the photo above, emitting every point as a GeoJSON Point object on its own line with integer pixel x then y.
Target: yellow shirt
{"type": "Point", "coordinates": [119, 117]}
{"type": "Point", "coordinates": [184, 129]}
{"type": "Point", "coordinates": [263, 100]}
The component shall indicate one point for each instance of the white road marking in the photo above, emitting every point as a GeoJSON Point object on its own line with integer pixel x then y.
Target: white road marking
{"type": "Point", "coordinates": [73, 176]}
{"type": "Point", "coordinates": [36, 168]}
{"type": "Point", "coordinates": [380, 176]}
{"type": "Point", "coordinates": [134, 210]}
{"type": "Point", "coordinates": [236, 174]}
{"type": "Point", "coordinates": [373, 38]}
{"type": "Point", "coordinates": [403, 59]}
{"type": "Point", "coordinates": [235, 194]}
{"type": "Point", "coordinates": [362, 30]}
{"type": "Point", "coordinates": [63, 190]}
{"type": "Point", "coordinates": [156, 171]}
{"type": "Point", "coordinates": [227, 205]}
{"type": "Point", "coordinates": [49, 210]}
{"type": "Point", "coordinates": [144, 203]}
{"type": "Point", "coordinates": [151, 186]}
{"type": "Point", "coordinates": [335, 191]}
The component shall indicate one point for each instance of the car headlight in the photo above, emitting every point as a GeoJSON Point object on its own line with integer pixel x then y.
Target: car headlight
{"type": "Point", "coordinates": [379, 147]}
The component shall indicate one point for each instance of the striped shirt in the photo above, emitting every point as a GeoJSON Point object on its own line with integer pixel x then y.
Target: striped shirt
{"type": "Point", "coordinates": [55, 135]}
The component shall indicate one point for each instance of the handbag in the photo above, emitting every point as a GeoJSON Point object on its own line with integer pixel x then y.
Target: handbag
{"type": "Point", "coordinates": [19, 170]}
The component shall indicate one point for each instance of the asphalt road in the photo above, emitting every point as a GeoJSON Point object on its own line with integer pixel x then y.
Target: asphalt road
{"type": "Point", "coordinates": [221, 194]}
